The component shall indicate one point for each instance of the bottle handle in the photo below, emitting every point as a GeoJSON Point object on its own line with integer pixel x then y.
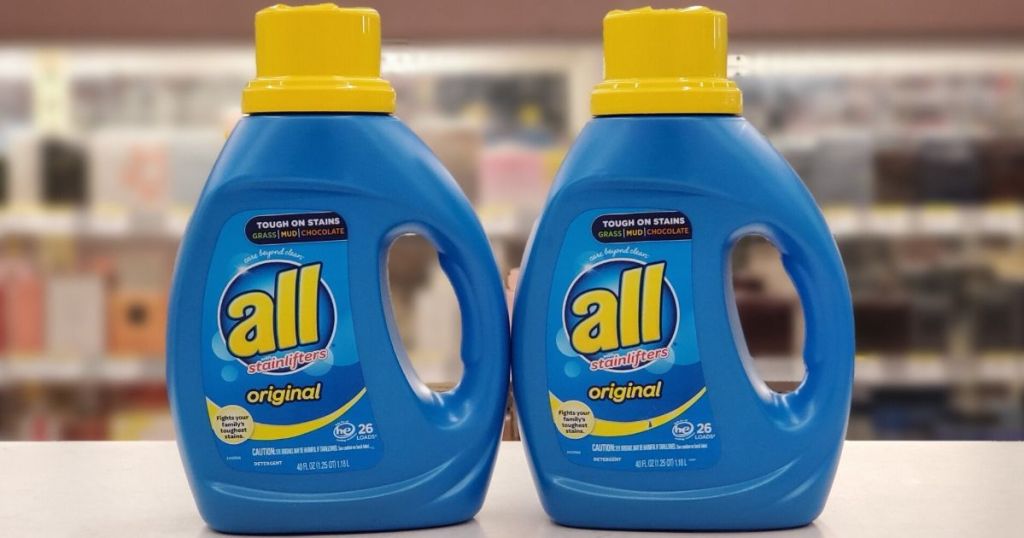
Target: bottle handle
{"type": "Point", "coordinates": [466, 260]}
{"type": "Point", "coordinates": [821, 284]}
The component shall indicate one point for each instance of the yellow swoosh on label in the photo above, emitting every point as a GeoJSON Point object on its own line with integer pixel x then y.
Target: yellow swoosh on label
{"type": "Point", "coordinates": [276, 432]}
{"type": "Point", "coordinates": [611, 428]}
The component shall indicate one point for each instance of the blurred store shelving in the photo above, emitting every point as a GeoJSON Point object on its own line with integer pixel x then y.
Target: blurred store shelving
{"type": "Point", "coordinates": [916, 153]}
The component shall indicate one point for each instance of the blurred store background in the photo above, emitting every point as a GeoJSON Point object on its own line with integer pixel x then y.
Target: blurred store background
{"type": "Point", "coordinates": [906, 120]}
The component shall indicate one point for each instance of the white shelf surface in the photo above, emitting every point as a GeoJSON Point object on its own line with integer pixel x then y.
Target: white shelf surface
{"type": "Point", "coordinates": [882, 489]}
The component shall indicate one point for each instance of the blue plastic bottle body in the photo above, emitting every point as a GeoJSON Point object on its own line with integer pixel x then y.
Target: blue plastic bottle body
{"type": "Point", "coordinates": [438, 448]}
{"type": "Point", "coordinates": [778, 453]}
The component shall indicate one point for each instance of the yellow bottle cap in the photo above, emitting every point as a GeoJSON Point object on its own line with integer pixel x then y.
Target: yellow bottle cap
{"type": "Point", "coordinates": [665, 61]}
{"type": "Point", "coordinates": [320, 58]}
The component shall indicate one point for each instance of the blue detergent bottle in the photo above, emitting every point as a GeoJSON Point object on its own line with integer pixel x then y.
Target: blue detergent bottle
{"type": "Point", "coordinates": [639, 402]}
{"type": "Point", "coordinates": [296, 408]}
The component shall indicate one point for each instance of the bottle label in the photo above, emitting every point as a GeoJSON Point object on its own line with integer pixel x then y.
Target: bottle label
{"type": "Point", "coordinates": [284, 386]}
{"type": "Point", "coordinates": [625, 381]}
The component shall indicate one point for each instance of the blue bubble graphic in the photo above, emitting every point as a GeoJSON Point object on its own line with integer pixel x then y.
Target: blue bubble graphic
{"type": "Point", "coordinates": [229, 373]}
{"type": "Point", "coordinates": [219, 349]}
{"type": "Point", "coordinates": [573, 368]}
{"type": "Point", "coordinates": [562, 343]}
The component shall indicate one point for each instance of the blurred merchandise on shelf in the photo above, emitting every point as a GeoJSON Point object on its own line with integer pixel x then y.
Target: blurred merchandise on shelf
{"type": "Point", "coordinates": [458, 142]}
{"type": "Point", "coordinates": [842, 168]}
{"type": "Point", "coordinates": [137, 323]}
{"type": "Point", "coordinates": [190, 156]}
{"type": "Point", "coordinates": [437, 331]}
{"type": "Point", "coordinates": [75, 324]}
{"type": "Point", "coordinates": [915, 152]}
{"type": "Point", "coordinates": [63, 166]}
{"type": "Point", "coordinates": [767, 322]}
{"type": "Point", "coordinates": [139, 413]}
{"type": "Point", "coordinates": [129, 168]}
{"type": "Point", "coordinates": [22, 309]}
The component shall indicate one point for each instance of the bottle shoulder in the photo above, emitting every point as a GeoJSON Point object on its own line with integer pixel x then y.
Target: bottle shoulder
{"type": "Point", "coordinates": [356, 154]}
{"type": "Point", "coordinates": [716, 157]}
